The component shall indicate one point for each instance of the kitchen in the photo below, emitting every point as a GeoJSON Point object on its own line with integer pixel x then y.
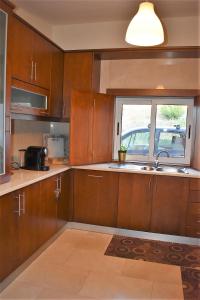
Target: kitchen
{"type": "Point", "coordinates": [78, 222]}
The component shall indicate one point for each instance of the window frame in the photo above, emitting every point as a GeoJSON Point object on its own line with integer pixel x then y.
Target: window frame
{"type": "Point", "coordinates": [154, 101]}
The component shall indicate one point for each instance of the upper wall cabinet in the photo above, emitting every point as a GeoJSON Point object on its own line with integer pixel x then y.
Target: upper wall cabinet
{"type": "Point", "coordinates": [31, 55]}
{"type": "Point", "coordinates": [37, 72]}
{"type": "Point", "coordinates": [91, 128]}
{"type": "Point", "coordinates": [81, 72]}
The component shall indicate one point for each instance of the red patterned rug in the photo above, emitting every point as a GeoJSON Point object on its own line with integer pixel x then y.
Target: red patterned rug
{"type": "Point", "coordinates": [185, 256]}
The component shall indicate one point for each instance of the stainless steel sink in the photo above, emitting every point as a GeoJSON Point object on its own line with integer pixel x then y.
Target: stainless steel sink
{"type": "Point", "coordinates": [148, 168]}
{"type": "Point", "coordinates": [143, 167]}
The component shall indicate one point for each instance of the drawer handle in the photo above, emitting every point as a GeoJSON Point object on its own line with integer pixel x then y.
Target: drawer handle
{"type": "Point", "coordinates": [198, 221]}
{"type": "Point", "coordinates": [95, 176]}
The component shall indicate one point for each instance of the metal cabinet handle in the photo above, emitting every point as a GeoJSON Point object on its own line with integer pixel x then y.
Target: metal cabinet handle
{"type": "Point", "coordinates": [23, 203]}
{"type": "Point", "coordinates": [60, 181]}
{"type": "Point", "coordinates": [32, 70]}
{"type": "Point", "coordinates": [35, 71]}
{"type": "Point", "coordinates": [19, 205]}
{"type": "Point", "coordinates": [150, 181]}
{"type": "Point", "coordinates": [95, 176]}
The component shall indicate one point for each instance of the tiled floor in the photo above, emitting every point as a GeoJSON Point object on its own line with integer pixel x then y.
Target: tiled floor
{"type": "Point", "coordinates": [75, 267]}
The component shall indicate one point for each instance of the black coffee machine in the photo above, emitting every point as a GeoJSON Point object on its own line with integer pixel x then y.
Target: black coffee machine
{"type": "Point", "coordinates": [35, 158]}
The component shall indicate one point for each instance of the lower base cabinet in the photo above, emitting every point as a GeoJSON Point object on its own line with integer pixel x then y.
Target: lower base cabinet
{"type": "Point", "coordinates": [95, 197]}
{"type": "Point", "coordinates": [169, 205]}
{"type": "Point", "coordinates": [29, 217]}
{"type": "Point", "coordinates": [134, 202]}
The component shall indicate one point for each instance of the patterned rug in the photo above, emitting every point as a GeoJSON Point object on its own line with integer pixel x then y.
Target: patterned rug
{"type": "Point", "coordinates": [185, 256]}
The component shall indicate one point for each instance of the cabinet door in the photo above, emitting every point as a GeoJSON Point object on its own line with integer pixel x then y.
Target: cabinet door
{"type": "Point", "coordinates": [30, 220]}
{"type": "Point", "coordinates": [22, 50]}
{"type": "Point", "coordinates": [48, 208]}
{"type": "Point", "coordinates": [42, 61]}
{"type": "Point", "coordinates": [169, 205]}
{"type": "Point", "coordinates": [62, 202]}
{"type": "Point", "coordinates": [102, 137]}
{"type": "Point", "coordinates": [9, 232]}
{"type": "Point", "coordinates": [80, 149]}
{"type": "Point", "coordinates": [81, 72]}
{"type": "Point", "coordinates": [134, 204]}
{"type": "Point", "coordinates": [56, 92]}
{"type": "Point", "coordinates": [95, 197]}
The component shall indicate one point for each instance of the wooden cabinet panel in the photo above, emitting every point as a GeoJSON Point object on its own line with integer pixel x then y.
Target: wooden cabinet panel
{"type": "Point", "coordinates": [81, 72]}
{"type": "Point", "coordinates": [80, 147]}
{"type": "Point", "coordinates": [42, 61]}
{"type": "Point", "coordinates": [29, 220]}
{"type": "Point", "coordinates": [9, 224]}
{"type": "Point", "coordinates": [91, 128]}
{"type": "Point", "coordinates": [134, 203]}
{"type": "Point", "coordinates": [56, 91]}
{"type": "Point", "coordinates": [22, 50]}
{"type": "Point", "coordinates": [195, 184]}
{"type": "Point", "coordinates": [169, 205]}
{"type": "Point", "coordinates": [95, 197]}
{"type": "Point", "coordinates": [102, 135]}
{"type": "Point", "coordinates": [48, 208]}
{"type": "Point", "coordinates": [63, 200]}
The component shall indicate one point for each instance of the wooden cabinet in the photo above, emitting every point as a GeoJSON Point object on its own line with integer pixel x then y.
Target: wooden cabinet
{"type": "Point", "coordinates": [81, 72]}
{"type": "Point", "coordinates": [37, 68]}
{"type": "Point", "coordinates": [29, 217]}
{"type": "Point", "coordinates": [134, 202]}
{"type": "Point", "coordinates": [9, 223]}
{"type": "Point", "coordinates": [91, 128]}
{"type": "Point", "coordinates": [56, 91]}
{"type": "Point", "coordinates": [30, 55]}
{"type": "Point", "coordinates": [169, 206]}
{"type": "Point", "coordinates": [63, 199]}
{"type": "Point", "coordinates": [193, 211]}
{"type": "Point", "coordinates": [95, 197]}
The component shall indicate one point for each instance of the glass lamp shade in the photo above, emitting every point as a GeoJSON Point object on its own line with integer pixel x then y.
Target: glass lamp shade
{"type": "Point", "coordinates": [145, 29]}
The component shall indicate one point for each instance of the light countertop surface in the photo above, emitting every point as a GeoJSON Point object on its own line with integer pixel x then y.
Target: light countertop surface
{"type": "Point", "coordinates": [131, 168]}
{"type": "Point", "coordinates": [22, 178]}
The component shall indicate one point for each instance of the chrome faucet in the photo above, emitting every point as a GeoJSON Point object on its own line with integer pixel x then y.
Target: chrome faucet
{"type": "Point", "coordinates": [156, 162]}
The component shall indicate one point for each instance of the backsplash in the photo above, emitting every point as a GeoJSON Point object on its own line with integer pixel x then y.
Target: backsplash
{"type": "Point", "coordinates": [30, 133]}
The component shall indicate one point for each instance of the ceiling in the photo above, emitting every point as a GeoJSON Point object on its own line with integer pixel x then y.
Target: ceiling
{"type": "Point", "coordinates": [60, 12]}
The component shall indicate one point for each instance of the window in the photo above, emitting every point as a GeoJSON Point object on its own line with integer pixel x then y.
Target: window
{"type": "Point", "coordinates": [146, 126]}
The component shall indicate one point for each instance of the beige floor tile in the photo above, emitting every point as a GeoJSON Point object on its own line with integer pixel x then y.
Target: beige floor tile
{"type": "Point", "coordinates": [21, 290]}
{"type": "Point", "coordinates": [66, 278]}
{"type": "Point", "coordinates": [95, 261]}
{"type": "Point", "coordinates": [167, 291]}
{"type": "Point", "coordinates": [84, 240]}
{"type": "Point", "coordinates": [109, 286]}
{"type": "Point", "coordinates": [55, 255]}
{"type": "Point", "coordinates": [152, 271]}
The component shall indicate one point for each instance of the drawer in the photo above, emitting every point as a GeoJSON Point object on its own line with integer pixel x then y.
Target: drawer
{"type": "Point", "coordinates": [194, 196]}
{"type": "Point", "coordinates": [192, 231]}
{"type": "Point", "coordinates": [194, 209]}
{"type": "Point", "coordinates": [195, 184]}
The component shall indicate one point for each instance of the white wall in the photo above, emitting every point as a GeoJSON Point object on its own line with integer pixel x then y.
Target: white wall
{"type": "Point", "coordinates": [150, 73]}
{"type": "Point", "coordinates": [36, 22]}
{"type": "Point", "coordinates": [180, 32]}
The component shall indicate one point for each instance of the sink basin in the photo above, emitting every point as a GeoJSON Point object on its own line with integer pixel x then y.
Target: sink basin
{"type": "Point", "coordinates": [148, 168]}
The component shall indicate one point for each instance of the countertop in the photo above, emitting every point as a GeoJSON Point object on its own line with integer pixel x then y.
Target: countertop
{"type": "Point", "coordinates": [137, 169]}
{"type": "Point", "coordinates": [22, 178]}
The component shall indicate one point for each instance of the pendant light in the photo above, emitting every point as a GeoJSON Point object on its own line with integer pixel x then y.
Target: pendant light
{"type": "Point", "coordinates": [145, 29]}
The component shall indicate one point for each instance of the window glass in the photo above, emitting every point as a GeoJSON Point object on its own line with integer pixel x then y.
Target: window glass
{"type": "Point", "coordinates": [136, 121]}
{"type": "Point", "coordinates": [170, 134]}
